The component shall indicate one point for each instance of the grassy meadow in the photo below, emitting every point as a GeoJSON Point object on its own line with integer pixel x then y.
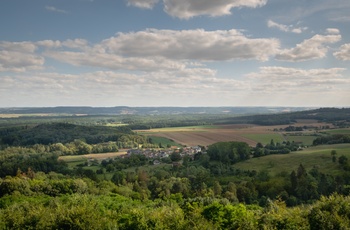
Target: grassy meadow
{"type": "Point", "coordinates": [338, 131]}
{"type": "Point", "coordinates": [164, 141]}
{"type": "Point", "coordinates": [306, 140]}
{"type": "Point", "coordinates": [74, 160]}
{"type": "Point", "coordinates": [319, 156]}
{"type": "Point", "coordinates": [264, 138]}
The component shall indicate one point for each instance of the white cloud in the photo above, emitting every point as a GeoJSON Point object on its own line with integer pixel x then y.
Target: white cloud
{"type": "Point", "coordinates": [313, 48]}
{"type": "Point", "coordinates": [332, 31]}
{"type": "Point", "coordinates": [114, 62]}
{"type": "Point", "coordinates": [79, 44]}
{"type": "Point", "coordinates": [191, 45]}
{"type": "Point", "coordinates": [186, 9]}
{"type": "Point", "coordinates": [147, 50]}
{"type": "Point", "coordinates": [75, 44]}
{"type": "Point", "coordinates": [153, 50]}
{"type": "Point", "coordinates": [49, 43]}
{"type": "Point", "coordinates": [19, 62]}
{"type": "Point", "coordinates": [285, 28]}
{"type": "Point", "coordinates": [27, 47]}
{"type": "Point", "coordinates": [272, 24]}
{"type": "Point", "coordinates": [54, 9]}
{"type": "Point", "coordinates": [19, 57]}
{"type": "Point", "coordinates": [343, 53]}
{"type": "Point", "coordinates": [146, 4]}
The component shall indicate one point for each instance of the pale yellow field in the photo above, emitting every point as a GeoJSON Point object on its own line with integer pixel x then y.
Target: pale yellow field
{"type": "Point", "coordinates": [9, 115]}
{"type": "Point", "coordinates": [104, 155]}
{"type": "Point", "coordinates": [97, 156]}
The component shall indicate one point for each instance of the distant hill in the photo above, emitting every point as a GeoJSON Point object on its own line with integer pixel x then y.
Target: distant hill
{"type": "Point", "coordinates": [118, 110]}
{"type": "Point", "coordinates": [158, 117]}
{"type": "Point", "coordinates": [321, 115]}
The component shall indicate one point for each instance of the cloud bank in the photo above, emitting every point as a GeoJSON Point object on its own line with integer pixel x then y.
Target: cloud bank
{"type": "Point", "coordinates": [170, 65]}
{"type": "Point", "coordinates": [309, 49]}
{"type": "Point", "coordinates": [186, 9]}
{"type": "Point", "coordinates": [146, 4]}
{"type": "Point", "coordinates": [343, 53]}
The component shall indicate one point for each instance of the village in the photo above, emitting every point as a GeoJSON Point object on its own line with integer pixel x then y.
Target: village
{"type": "Point", "coordinates": [158, 154]}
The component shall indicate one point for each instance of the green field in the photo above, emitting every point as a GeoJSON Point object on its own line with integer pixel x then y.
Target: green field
{"type": "Point", "coordinates": [264, 138]}
{"type": "Point", "coordinates": [306, 140]}
{"type": "Point", "coordinates": [338, 131]}
{"type": "Point", "coordinates": [73, 161]}
{"type": "Point", "coordinates": [72, 158]}
{"type": "Point", "coordinates": [319, 156]}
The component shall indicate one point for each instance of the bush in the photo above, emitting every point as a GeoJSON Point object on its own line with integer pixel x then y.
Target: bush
{"type": "Point", "coordinates": [330, 213]}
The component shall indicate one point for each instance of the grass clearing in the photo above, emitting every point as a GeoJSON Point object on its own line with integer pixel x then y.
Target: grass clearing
{"type": "Point", "coordinates": [163, 141]}
{"type": "Point", "coordinates": [319, 156]}
{"type": "Point", "coordinates": [74, 158]}
{"type": "Point", "coordinates": [74, 164]}
{"type": "Point", "coordinates": [264, 138]}
{"type": "Point", "coordinates": [306, 140]}
{"type": "Point", "coordinates": [338, 131]}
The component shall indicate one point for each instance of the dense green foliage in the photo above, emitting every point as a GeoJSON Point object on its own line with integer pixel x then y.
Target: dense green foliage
{"type": "Point", "coordinates": [275, 148]}
{"type": "Point", "coordinates": [229, 152]}
{"type": "Point", "coordinates": [332, 139]}
{"type": "Point", "coordinates": [49, 133]}
{"type": "Point", "coordinates": [60, 203]}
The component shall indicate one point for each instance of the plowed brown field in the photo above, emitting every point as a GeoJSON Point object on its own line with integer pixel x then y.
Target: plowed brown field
{"type": "Point", "coordinates": [206, 136]}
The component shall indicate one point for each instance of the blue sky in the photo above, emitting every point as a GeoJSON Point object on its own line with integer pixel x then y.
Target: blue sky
{"type": "Point", "coordinates": [174, 53]}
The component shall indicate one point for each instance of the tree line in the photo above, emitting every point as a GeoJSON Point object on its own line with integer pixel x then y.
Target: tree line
{"type": "Point", "coordinates": [49, 133]}
{"type": "Point", "coordinates": [332, 139]}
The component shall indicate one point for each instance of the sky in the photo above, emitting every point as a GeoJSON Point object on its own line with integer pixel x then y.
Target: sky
{"type": "Point", "coordinates": [174, 53]}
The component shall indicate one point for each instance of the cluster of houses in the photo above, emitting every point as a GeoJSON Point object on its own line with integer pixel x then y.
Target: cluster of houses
{"type": "Point", "coordinates": [163, 153]}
